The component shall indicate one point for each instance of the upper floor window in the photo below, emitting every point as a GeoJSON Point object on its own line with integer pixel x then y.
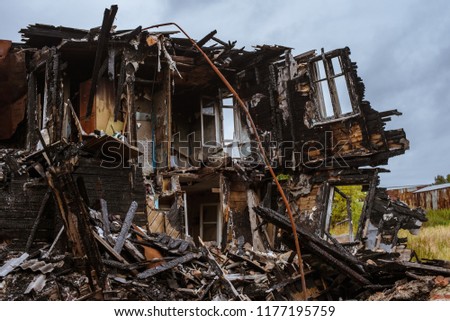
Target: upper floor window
{"type": "Point", "coordinates": [210, 122]}
{"type": "Point", "coordinates": [333, 88]}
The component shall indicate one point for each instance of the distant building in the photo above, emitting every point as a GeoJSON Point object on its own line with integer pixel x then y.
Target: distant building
{"type": "Point", "coordinates": [425, 196]}
{"type": "Point", "coordinates": [433, 197]}
{"type": "Point", "coordinates": [404, 193]}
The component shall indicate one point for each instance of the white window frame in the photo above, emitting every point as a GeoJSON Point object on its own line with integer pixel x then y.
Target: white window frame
{"type": "Point", "coordinates": [329, 79]}
{"type": "Point", "coordinates": [216, 121]}
{"type": "Point", "coordinates": [218, 222]}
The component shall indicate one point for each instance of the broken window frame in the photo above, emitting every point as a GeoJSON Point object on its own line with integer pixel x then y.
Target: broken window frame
{"type": "Point", "coordinates": [216, 115]}
{"type": "Point", "coordinates": [218, 221]}
{"type": "Point", "coordinates": [331, 190]}
{"type": "Point", "coordinates": [231, 147]}
{"type": "Point", "coordinates": [330, 77]}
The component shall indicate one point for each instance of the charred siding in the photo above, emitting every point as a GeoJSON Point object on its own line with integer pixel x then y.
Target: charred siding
{"type": "Point", "coordinates": [118, 186]}
{"type": "Point", "coordinates": [19, 206]}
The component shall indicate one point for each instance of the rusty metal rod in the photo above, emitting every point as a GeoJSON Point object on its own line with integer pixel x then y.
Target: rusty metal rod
{"type": "Point", "coordinates": [260, 146]}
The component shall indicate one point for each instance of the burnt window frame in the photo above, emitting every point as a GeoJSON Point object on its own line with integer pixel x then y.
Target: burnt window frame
{"type": "Point", "coordinates": [217, 121]}
{"type": "Point", "coordinates": [316, 80]}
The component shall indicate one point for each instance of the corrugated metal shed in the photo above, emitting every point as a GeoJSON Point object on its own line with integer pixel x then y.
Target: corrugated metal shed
{"type": "Point", "coordinates": [404, 193]}
{"type": "Point", "coordinates": [433, 197]}
{"type": "Point", "coordinates": [433, 188]}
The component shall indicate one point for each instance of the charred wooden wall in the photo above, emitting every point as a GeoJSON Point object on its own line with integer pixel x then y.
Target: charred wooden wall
{"type": "Point", "coordinates": [20, 201]}
{"type": "Point", "coordinates": [237, 202]}
{"type": "Point", "coordinates": [118, 186]}
{"type": "Point", "coordinates": [280, 100]}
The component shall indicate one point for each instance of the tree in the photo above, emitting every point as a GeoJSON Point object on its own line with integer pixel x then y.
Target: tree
{"type": "Point", "coordinates": [339, 209]}
{"type": "Point", "coordinates": [440, 179]}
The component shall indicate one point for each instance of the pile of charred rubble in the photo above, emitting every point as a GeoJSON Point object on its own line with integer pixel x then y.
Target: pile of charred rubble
{"type": "Point", "coordinates": [120, 180]}
{"type": "Point", "coordinates": [118, 260]}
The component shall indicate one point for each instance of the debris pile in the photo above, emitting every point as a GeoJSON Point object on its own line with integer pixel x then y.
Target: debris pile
{"type": "Point", "coordinates": [138, 265]}
{"type": "Point", "coordinates": [423, 288]}
{"type": "Point", "coordinates": [143, 266]}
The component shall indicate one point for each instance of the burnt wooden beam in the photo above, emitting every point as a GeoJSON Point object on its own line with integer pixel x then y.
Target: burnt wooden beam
{"type": "Point", "coordinates": [44, 146]}
{"type": "Point", "coordinates": [368, 204]}
{"type": "Point", "coordinates": [307, 238]}
{"type": "Point", "coordinates": [75, 216]}
{"type": "Point", "coordinates": [133, 34]}
{"type": "Point", "coordinates": [105, 217]}
{"type": "Point", "coordinates": [83, 192]}
{"type": "Point", "coordinates": [131, 111]}
{"type": "Point", "coordinates": [77, 121]}
{"type": "Point", "coordinates": [108, 19]}
{"type": "Point", "coordinates": [223, 43]}
{"type": "Point", "coordinates": [125, 227]}
{"type": "Point", "coordinates": [340, 265]}
{"type": "Point", "coordinates": [32, 121]}
{"type": "Point", "coordinates": [38, 220]}
{"type": "Point", "coordinates": [109, 248]}
{"type": "Point", "coordinates": [205, 39]}
{"type": "Point", "coordinates": [167, 266]}
{"type": "Point", "coordinates": [336, 242]}
{"type": "Point", "coordinates": [120, 83]}
{"type": "Point", "coordinates": [425, 268]}
{"type": "Point", "coordinates": [254, 265]}
{"type": "Point", "coordinates": [393, 112]}
{"type": "Point", "coordinates": [111, 251]}
{"type": "Point", "coordinates": [285, 282]}
{"type": "Point", "coordinates": [218, 270]}
{"type": "Point", "coordinates": [55, 241]}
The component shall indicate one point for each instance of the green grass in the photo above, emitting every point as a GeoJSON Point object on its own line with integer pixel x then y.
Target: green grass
{"type": "Point", "coordinates": [433, 241]}
{"type": "Point", "coordinates": [438, 218]}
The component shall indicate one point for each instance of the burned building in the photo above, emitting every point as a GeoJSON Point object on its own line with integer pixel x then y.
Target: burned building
{"type": "Point", "coordinates": [106, 116]}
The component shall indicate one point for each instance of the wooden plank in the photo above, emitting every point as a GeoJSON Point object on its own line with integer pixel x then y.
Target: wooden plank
{"type": "Point", "coordinates": [167, 266]}
{"type": "Point", "coordinates": [108, 20]}
{"type": "Point", "coordinates": [425, 267]}
{"type": "Point", "coordinates": [125, 227]}
{"type": "Point", "coordinates": [105, 217]}
{"type": "Point", "coordinates": [87, 123]}
{"type": "Point", "coordinates": [109, 248]}
{"type": "Point", "coordinates": [38, 220]}
{"type": "Point", "coordinates": [76, 220]}
{"type": "Point", "coordinates": [257, 241]}
{"type": "Point", "coordinates": [218, 270]}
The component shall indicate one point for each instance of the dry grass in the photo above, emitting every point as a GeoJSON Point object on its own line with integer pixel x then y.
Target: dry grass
{"type": "Point", "coordinates": [339, 229]}
{"type": "Point", "coordinates": [431, 243]}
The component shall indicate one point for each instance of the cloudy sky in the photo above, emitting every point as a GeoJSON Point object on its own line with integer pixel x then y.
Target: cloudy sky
{"type": "Point", "coordinates": [402, 49]}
